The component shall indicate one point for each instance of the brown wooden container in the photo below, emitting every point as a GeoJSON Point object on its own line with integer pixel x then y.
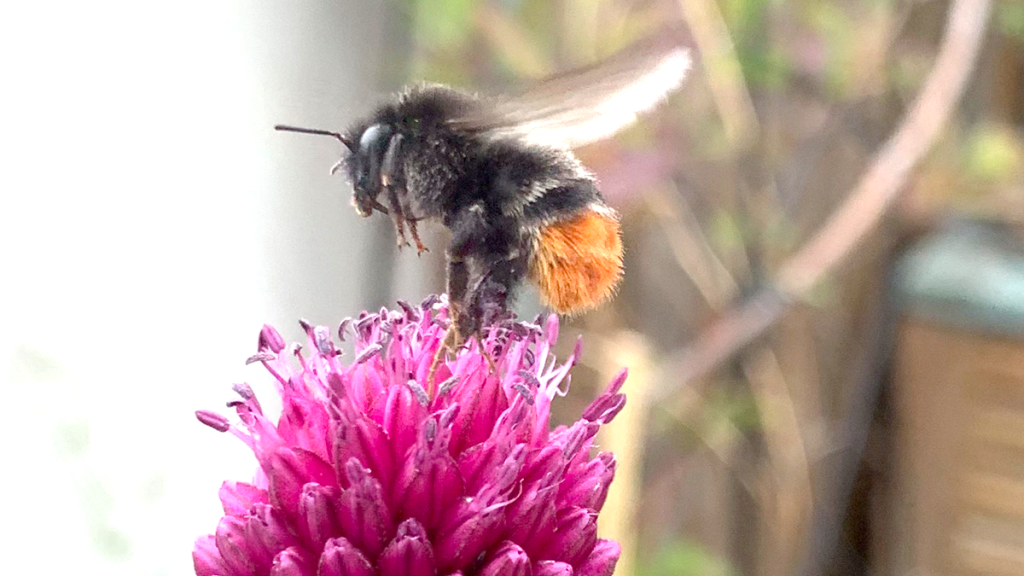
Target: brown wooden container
{"type": "Point", "coordinates": [956, 503]}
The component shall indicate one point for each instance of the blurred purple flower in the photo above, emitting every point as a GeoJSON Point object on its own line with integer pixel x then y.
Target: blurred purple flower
{"type": "Point", "coordinates": [373, 470]}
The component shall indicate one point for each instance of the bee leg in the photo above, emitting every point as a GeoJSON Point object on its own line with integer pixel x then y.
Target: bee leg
{"type": "Point", "coordinates": [397, 216]}
{"type": "Point", "coordinates": [466, 324]}
{"type": "Point", "coordinates": [458, 280]}
{"type": "Point", "coordinates": [469, 324]}
{"type": "Point", "coordinates": [458, 283]}
{"type": "Point", "coordinates": [466, 266]}
{"type": "Point", "coordinates": [488, 300]}
{"type": "Point", "coordinates": [443, 348]}
{"type": "Point", "coordinates": [412, 222]}
{"type": "Point", "coordinates": [389, 165]}
{"type": "Point", "coordinates": [389, 179]}
{"type": "Point", "coordinates": [475, 241]}
{"type": "Point", "coordinates": [420, 248]}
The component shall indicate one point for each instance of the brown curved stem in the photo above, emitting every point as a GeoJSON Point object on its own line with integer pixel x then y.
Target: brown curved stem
{"type": "Point", "coordinates": [875, 192]}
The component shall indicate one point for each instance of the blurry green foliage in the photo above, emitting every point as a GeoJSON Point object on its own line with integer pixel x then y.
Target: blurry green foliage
{"type": "Point", "coordinates": [837, 35]}
{"type": "Point", "coordinates": [763, 65]}
{"type": "Point", "coordinates": [32, 366]}
{"type": "Point", "coordinates": [746, 18]}
{"type": "Point", "coordinates": [823, 295]}
{"type": "Point", "coordinates": [110, 542]}
{"type": "Point", "coordinates": [736, 406]}
{"type": "Point", "coordinates": [1009, 18]}
{"type": "Point", "coordinates": [726, 231]}
{"type": "Point", "coordinates": [992, 153]}
{"type": "Point", "coordinates": [444, 25]}
{"type": "Point", "coordinates": [153, 488]}
{"type": "Point", "coordinates": [766, 67]}
{"type": "Point", "coordinates": [908, 71]}
{"type": "Point", "coordinates": [828, 81]}
{"type": "Point", "coordinates": [536, 16]}
{"type": "Point", "coordinates": [100, 504]}
{"type": "Point", "coordinates": [73, 437]}
{"type": "Point", "coordinates": [685, 558]}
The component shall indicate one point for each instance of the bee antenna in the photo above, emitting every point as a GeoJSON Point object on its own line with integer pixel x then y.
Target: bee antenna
{"type": "Point", "coordinates": [343, 139]}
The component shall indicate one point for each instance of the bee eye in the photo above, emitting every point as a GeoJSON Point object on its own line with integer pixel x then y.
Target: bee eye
{"type": "Point", "coordinates": [372, 146]}
{"type": "Point", "coordinates": [373, 138]}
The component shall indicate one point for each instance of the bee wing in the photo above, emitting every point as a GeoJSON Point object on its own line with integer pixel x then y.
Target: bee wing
{"type": "Point", "coordinates": [587, 104]}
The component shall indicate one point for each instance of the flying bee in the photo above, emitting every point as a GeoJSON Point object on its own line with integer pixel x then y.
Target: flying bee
{"type": "Point", "coordinates": [500, 175]}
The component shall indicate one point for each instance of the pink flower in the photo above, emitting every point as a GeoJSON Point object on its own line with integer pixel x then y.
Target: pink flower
{"type": "Point", "coordinates": [373, 470]}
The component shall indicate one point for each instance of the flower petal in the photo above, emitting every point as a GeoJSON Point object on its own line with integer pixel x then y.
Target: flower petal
{"type": "Point", "coordinates": [341, 558]}
{"type": "Point", "coordinates": [479, 460]}
{"type": "Point", "coordinates": [293, 561]}
{"type": "Point", "coordinates": [233, 547]}
{"type": "Point", "coordinates": [602, 559]}
{"type": "Point", "coordinates": [270, 339]}
{"type": "Point", "coordinates": [574, 537]}
{"type": "Point", "coordinates": [531, 518]}
{"type": "Point", "coordinates": [361, 438]}
{"type": "Point", "coordinates": [508, 559]}
{"type": "Point", "coordinates": [267, 532]}
{"type": "Point", "coordinates": [472, 524]}
{"type": "Point", "coordinates": [206, 559]}
{"type": "Point", "coordinates": [290, 470]}
{"type": "Point", "coordinates": [552, 568]}
{"type": "Point", "coordinates": [238, 498]}
{"type": "Point", "coordinates": [429, 481]}
{"type": "Point", "coordinates": [318, 511]}
{"type": "Point", "coordinates": [480, 402]}
{"type": "Point", "coordinates": [399, 415]}
{"type": "Point", "coordinates": [364, 515]}
{"type": "Point", "coordinates": [410, 553]}
{"type": "Point", "coordinates": [586, 486]}
{"type": "Point", "coordinates": [304, 423]}
{"type": "Point", "coordinates": [603, 409]}
{"type": "Point", "coordinates": [461, 542]}
{"type": "Point", "coordinates": [214, 420]}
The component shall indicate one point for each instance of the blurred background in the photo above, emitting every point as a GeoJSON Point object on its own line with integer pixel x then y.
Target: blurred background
{"type": "Point", "coordinates": [822, 312]}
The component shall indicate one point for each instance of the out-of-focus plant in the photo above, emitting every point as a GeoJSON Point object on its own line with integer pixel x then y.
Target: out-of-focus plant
{"type": "Point", "coordinates": [787, 108]}
{"type": "Point", "coordinates": [685, 558]}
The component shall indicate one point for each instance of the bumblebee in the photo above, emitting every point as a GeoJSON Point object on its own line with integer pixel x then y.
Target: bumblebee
{"type": "Point", "coordinates": [499, 173]}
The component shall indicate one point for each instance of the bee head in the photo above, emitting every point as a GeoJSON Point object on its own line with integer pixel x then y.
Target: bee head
{"type": "Point", "coordinates": [368, 163]}
{"type": "Point", "coordinates": [365, 168]}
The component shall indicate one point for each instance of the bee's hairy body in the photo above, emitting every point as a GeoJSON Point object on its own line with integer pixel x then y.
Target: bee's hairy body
{"type": "Point", "coordinates": [499, 174]}
{"type": "Point", "coordinates": [515, 210]}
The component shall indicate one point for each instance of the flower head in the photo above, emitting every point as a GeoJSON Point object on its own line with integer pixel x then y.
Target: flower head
{"type": "Point", "coordinates": [374, 469]}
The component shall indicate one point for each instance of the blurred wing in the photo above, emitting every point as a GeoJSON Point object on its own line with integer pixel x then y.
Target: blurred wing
{"type": "Point", "coordinates": [584, 105]}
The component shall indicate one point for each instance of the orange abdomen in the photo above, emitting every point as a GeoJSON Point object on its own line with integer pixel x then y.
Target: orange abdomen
{"type": "Point", "coordinates": [578, 262]}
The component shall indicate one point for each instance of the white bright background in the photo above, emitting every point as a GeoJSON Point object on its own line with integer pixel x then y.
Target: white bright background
{"type": "Point", "coordinates": [151, 222]}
